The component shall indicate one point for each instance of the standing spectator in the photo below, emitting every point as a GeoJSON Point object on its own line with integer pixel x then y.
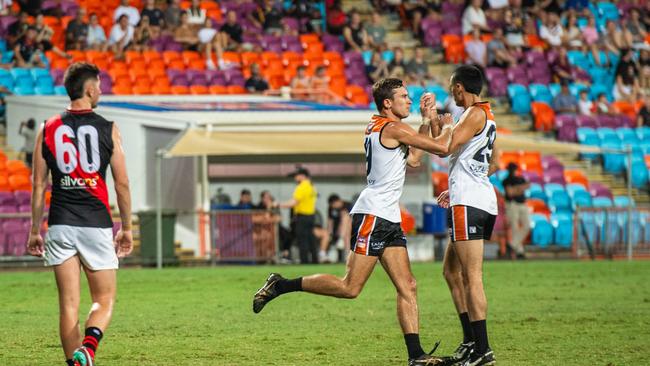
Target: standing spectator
{"type": "Point", "coordinates": [497, 52]}
{"type": "Point", "coordinates": [417, 69]}
{"type": "Point", "coordinates": [551, 31]}
{"type": "Point", "coordinates": [585, 106]}
{"type": "Point", "coordinates": [643, 118]}
{"type": "Point", "coordinates": [76, 32]}
{"type": "Point", "coordinates": [173, 15]}
{"type": "Point", "coordinates": [256, 83]}
{"type": "Point", "coordinates": [476, 50]}
{"type": "Point", "coordinates": [516, 209]}
{"type": "Point", "coordinates": [303, 205]}
{"type": "Point", "coordinates": [377, 69]}
{"type": "Point", "coordinates": [339, 224]}
{"type": "Point", "coordinates": [28, 131]}
{"type": "Point", "coordinates": [474, 17]}
{"type": "Point", "coordinates": [565, 102]}
{"type": "Point", "coordinates": [121, 36]}
{"type": "Point", "coordinates": [197, 15]}
{"type": "Point", "coordinates": [230, 33]}
{"type": "Point", "coordinates": [186, 34]}
{"type": "Point", "coordinates": [96, 39]}
{"type": "Point", "coordinates": [245, 200]}
{"type": "Point", "coordinates": [355, 35]}
{"type": "Point", "coordinates": [142, 34]}
{"type": "Point", "coordinates": [156, 16]}
{"type": "Point", "coordinates": [17, 29]}
{"type": "Point", "coordinates": [132, 13]}
{"type": "Point", "coordinates": [376, 31]}
{"type": "Point", "coordinates": [272, 214]}
{"type": "Point", "coordinates": [26, 50]}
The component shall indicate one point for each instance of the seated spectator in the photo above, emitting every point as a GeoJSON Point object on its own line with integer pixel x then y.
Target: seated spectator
{"type": "Point", "coordinates": [643, 118]}
{"type": "Point", "coordinates": [173, 14]}
{"type": "Point", "coordinates": [627, 87]}
{"type": "Point", "coordinates": [338, 224]}
{"type": "Point", "coordinates": [132, 13]}
{"type": "Point", "coordinates": [474, 17]}
{"type": "Point", "coordinates": [602, 106]}
{"type": "Point", "coordinates": [44, 37]}
{"type": "Point", "coordinates": [513, 30]}
{"type": "Point", "coordinates": [565, 102]}
{"type": "Point", "coordinates": [186, 34]}
{"type": "Point", "coordinates": [230, 34]}
{"type": "Point", "coordinates": [156, 16]}
{"type": "Point", "coordinates": [268, 17]}
{"type": "Point", "coordinates": [208, 40]}
{"type": "Point", "coordinates": [256, 83]}
{"type": "Point", "coordinates": [561, 67]}
{"type": "Point", "coordinates": [307, 14]}
{"type": "Point", "coordinates": [197, 15]}
{"type": "Point", "coordinates": [585, 106]}
{"type": "Point", "coordinates": [26, 50]}
{"type": "Point", "coordinates": [434, 9]}
{"type": "Point", "coordinates": [397, 67]}
{"type": "Point", "coordinates": [96, 39]}
{"type": "Point", "coordinates": [636, 30]}
{"type": "Point", "coordinates": [121, 36]}
{"type": "Point", "coordinates": [417, 69]}
{"type": "Point", "coordinates": [28, 130]}
{"type": "Point", "coordinates": [336, 18]}
{"type": "Point", "coordinates": [245, 200]}
{"type": "Point", "coordinates": [355, 35]}
{"type": "Point", "coordinates": [615, 39]}
{"type": "Point", "coordinates": [142, 34]}
{"type": "Point", "coordinates": [376, 31]}
{"type": "Point", "coordinates": [300, 83]}
{"type": "Point", "coordinates": [497, 52]}
{"type": "Point", "coordinates": [551, 31]}
{"type": "Point", "coordinates": [415, 11]}
{"type": "Point", "coordinates": [476, 50]}
{"type": "Point", "coordinates": [76, 32]}
{"type": "Point", "coordinates": [377, 69]}
{"type": "Point", "coordinates": [17, 29]}
{"type": "Point", "coordinates": [644, 65]}
{"type": "Point", "coordinates": [320, 82]}
{"type": "Point", "coordinates": [572, 35]}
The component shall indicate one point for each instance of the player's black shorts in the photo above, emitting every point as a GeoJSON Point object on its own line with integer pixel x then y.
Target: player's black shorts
{"type": "Point", "coordinates": [469, 223]}
{"type": "Point", "coordinates": [372, 234]}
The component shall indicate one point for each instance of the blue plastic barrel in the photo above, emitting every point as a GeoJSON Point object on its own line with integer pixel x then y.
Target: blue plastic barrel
{"type": "Point", "coordinates": [434, 219]}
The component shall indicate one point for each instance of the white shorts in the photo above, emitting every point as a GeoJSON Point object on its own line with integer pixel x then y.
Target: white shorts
{"type": "Point", "coordinates": [94, 246]}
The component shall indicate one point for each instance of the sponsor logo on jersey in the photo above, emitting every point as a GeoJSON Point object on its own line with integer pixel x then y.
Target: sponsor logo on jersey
{"type": "Point", "coordinates": [361, 243]}
{"type": "Point", "coordinates": [69, 182]}
{"type": "Point", "coordinates": [478, 168]}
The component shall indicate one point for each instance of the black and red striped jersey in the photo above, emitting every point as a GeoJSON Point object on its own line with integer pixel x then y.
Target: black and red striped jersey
{"type": "Point", "coordinates": [77, 146]}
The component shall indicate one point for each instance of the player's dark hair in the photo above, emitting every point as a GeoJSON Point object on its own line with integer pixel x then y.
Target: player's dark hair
{"type": "Point", "coordinates": [76, 76]}
{"type": "Point", "coordinates": [385, 89]}
{"type": "Point", "coordinates": [470, 77]}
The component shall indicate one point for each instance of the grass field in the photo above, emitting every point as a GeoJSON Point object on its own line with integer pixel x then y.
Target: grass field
{"type": "Point", "coordinates": [541, 313]}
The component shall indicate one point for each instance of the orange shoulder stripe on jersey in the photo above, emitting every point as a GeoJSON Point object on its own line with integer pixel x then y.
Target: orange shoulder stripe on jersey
{"type": "Point", "coordinates": [376, 124]}
{"type": "Point", "coordinates": [488, 111]}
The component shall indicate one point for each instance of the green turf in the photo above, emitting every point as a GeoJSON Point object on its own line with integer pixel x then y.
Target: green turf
{"type": "Point", "coordinates": [541, 313]}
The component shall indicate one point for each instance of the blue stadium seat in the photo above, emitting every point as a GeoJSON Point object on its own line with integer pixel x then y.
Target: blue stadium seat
{"type": "Point", "coordinates": [7, 57]}
{"type": "Point", "coordinates": [497, 183]}
{"type": "Point", "coordinates": [541, 230]}
{"type": "Point", "coordinates": [367, 57]}
{"type": "Point", "coordinates": [535, 191]}
{"type": "Point", "coordinates": [60, 90]}
{"type": "Point", "coordinates": [39, 72]}
{"type": "Point", "coordinates": [606, 134]}
{"type": "Point", "coordinates": [587, 228]}
{"type": "Point", "coordinates": [560, 202]}
{"type": "Point", "coordinates": [623, 201]}
{"type": "Point", "coordinates": [580, 197]}
{"type": "Point", "coordinates": [415, 93]}
{"type": "Point", "coordinates": [562, 229]}
{"type": "Point", "coordinates": [639, 175]}
{"type": "Point", "coordinates": [17, 72]}
{"type": "Point", "coordinates": [24, 81]}
{"type": "Point", "coordinates": [575, 89]}
{"type": "Point", "coordinates": [541, 93]}
{"type": "Point", "coordinates": [602, 202]}
{"type": "Point", "coordinates": [644, 221]}
{"type": "Point", "coordinates": [45, 81]}
{"type": "Point", "coordinates": [6, 79]}
{"type": "Point", "coordinates": [514, 89]}
{"type": "Point", "coordinates": [550, 188]}
{"type": "Point", "coordinates": [555, 89]}
{"type": "Point", "coordinates": [520, 104]}
{"type": "Point", "coordinates": [643, 133]}
{"type": "Point", "coordinates": [388, 56]}
{"type": "Point", "coordinates": [44, 90]}
{"type": "Point", "coordinates": [627, 135]}
{"type": "Point", "coordinates": [597, 89]}
{"type": "Point", "coordinates": [579, 59]}
{"type": "Point", "coordinates": [610, 232]}
{"type": "Point", "coordinates": [613, 162]}
{"type": "Point", "coordinates": [23, 90]}
{"type": "Point", "coordinates": [637, 226]}
{"type": "Point", "coordinates": [3, 46]}
{"type": "Point", "coordinates": [599, 75]}
{"type": "Point", "coordinates": [607, 11]}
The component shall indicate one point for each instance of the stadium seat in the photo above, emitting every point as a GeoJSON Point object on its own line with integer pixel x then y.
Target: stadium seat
{"type": "Point", "coordinates": [44, 90]}
{"type": "Point", "coordinates": [613, 162]}
{"type": "Point", "coordinates": [602, 202]}
{"type": "Point", "coordinates": [639, 174]}
{"type": "Point", "coordinates": [60, 90]}
{"type": "Point", "coordinates": [579, 195]}
{"type": "Point", "coordinates": [538, 206]}
{"type": "Point", "coordinates": [543, 116]}
{"type": "Point", "coordinates": [535, 191]}
{"type": "Point", "coordinates": [198, 90]}
{"type": "Point", "coordinates": [562, 229]}
{"type": "Point", "coordinates": [541, 230]}
{"type": "Point", "coordinates": [180, 90]}
{"type": "Point", "coordinates": [218, 89]}
{"type": "Point", "coordinates": [122, 90]}
{"type": "Point", "coordinates": [440, 182]}
{"type": "Point", "coordinates": [588, 136]}
{"type": "Point", "coordinates": [576, 176]}
{"type": "Point", "coordinates": [643, 133]}
{"type": "Point", "coordinates": [236, 89]}
{"type": "Point", "coordinates": [160, 89]}
{"type": "Point", "coordinates": [143, 89]}
{"type": "Point", "coordinates": [519, 99]}
{"type": "Point", "coordinates": [540, 93]}
{"type": "Point", "coordinates": [623, 201]}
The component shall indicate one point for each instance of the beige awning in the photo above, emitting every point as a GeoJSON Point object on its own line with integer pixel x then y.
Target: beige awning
{"type": "Point", "coordinates": [198, 141]}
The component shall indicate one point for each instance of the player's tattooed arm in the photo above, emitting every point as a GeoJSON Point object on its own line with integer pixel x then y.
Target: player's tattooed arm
{"type": "Point", "coordinates": [35, 245]}
{"type": "Point", "coordinates": [124, 237]}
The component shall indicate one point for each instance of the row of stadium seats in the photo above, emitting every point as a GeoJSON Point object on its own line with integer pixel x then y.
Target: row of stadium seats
{"type": "Point", "coordinates": [14, 175]}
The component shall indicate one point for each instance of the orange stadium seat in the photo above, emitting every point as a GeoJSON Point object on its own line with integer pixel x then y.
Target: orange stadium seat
{"type": "Point", "coordinates": [60, 63]}
{"type": "Point", "coordinates": [17, 167]}
{"type": "Point", "coordinates": [177, 64]}
{"type": "Point", "coordinates": [440, 182]}
{"type": "Point", "coordinates": [508, 157]}
{"type": "Point", "coordinates": [236, 89]}
{"type": "Point", "coordinates": [536, 205]}
{"type": "Point", "coordinates": [248, 58]}
{"type": "Point", "coordinates": [356, 95]}
{"type": "Point", "coordinates": [151, 55]}
{"type": "Point", "coordinates": [188, 56]}
{"type": "Point", "coordinates": [196, 64]}
{"type": "Point", "coordinates": [268, 56]}
{"type": "Point", "coordinates": [455, 53]}
{"type": "Point", "coordinates": [231, 57]}
{"type": "Point", "coordinates": [647, 161]}
{"type": "Point", "coordinates": [214, 14]}
{"type": "Point", "coordinates": [155, 72]}
{"type": "Point", "coordinates": [276, 81]}
{"type": "Point", "coordinates": [160, 81]}
{"type": "Point", "coordinates": [330, 56]}
{"type": "Point", "coordinates": [218, 89]}
{"type": "Point", "coordinates": [169, 56]}
{"type": "Point", "coordinates": [161, 89]}
{"type": "Point", "coordinates": [92, 55]}
{"type": "Point", "coordinates": [20, 183]}
{"type": "Point", "coordinates": [626, 108]}
{"type": "Point", "coordinates": [449, 39]}
{"type": "Point", "coordinates": [138, 64]}
{"type": "Point", "coordinates": [179, 90]}
{"type": "Point", "coordinates": [543, 116]}
{"type": "Point", "coordinates": [531, 161]}
{"type": "Point", "coordinates": [131, 56]}
{"type": "Point", "coordinates": [119, 65]}
{"type": "Point", "coordinates": [576, 176]}
{"type": "Point", "coordinates": [141, 89]}
{"type": "Point", "coordinates": [315, 49]}
{"type": "Point", "coordinates": [535, 42]}
{"type": "Point", "coordinates": [122, 90]}
{"type": "Point", "coordinates": [309, 38]}
{"type": "Point", "coordinates": [198, 89]}
{"type": "Point", "coordinates": [157, 65]}
{"type": "Point", "coordinates": [338, 85]}
{"type": "Point", "coordinates": [4, 184]}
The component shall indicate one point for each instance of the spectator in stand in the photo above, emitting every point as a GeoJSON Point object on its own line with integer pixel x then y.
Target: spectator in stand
{"type": "Point", "coordinates": [474, 17]}
{"type": "Point", "coordinates": [256, 83]}
{"type": "Point", "coordinates": [96, 39]}
{"type": "Point", "coordinates": [476, 50]}
{"type": "Point", "coordinates": [375, 31]}
{"type": "Point", "coordinates": [573, 38]}
{"type": "Point", "coordinates": [577, 6]}
{"type": "Point", "coordinates": [561, 67]}
{"type": "Point", "coordinates": [307, 14]}
{"type": "Point", "coordinates": [5, 7]}
{"type": "Point", "coordinates": [230, 34]}
{"type": "Point", "coordinates": [271, 215]}
{"type": "Point", "coordinates": [415, 11]}
{"type": "Point", "coordinates": [17, 29]}
{"type": "Point", "coordinates": [643, 118]}
{"type": "Point", "coordinates": [644, 65]}
{"type": "Point", "coordinates": [585, 106]}
{"type": "Point", "coordinates": [245, 200]}
{"type": "Point", "coordinates": [26, 50]}
{"type": "Point", "coordinates": [44, 37]}
{"type": "Point", "coordinates": [636, 29]}
{"type": "Point", "coordinates": [397, 66]}
{"type": "Point", "coordinates": [268, 17]}
{"type": "Point", "coordinates": [132, 13]}
{"type": "Point", "coordinates": [322, 237]}
{"type": "Point", "coordinates": [551, 31]}
{"type": "Point", "coordinates": [208, 40]}
{"type": "Point", "coordinates": [602, 106]}
{"type": "Point", "coordinates": [173, 15]}
{"type": "Point", "coordinates": [417, 69]}
{"type": "Point", "coordinates": [377, 69]}
{"type": "Point", "coordinates": [320, 83]}
{"type": "Point", "coordinates": [355, 35]}
{"type": "Point", "coordinates": [31, 7]}
{"type": "Point", "coordinates": [156, 16]}
{"type": "Point", "coordinates": [121, 36]}
{"type": "Point", "coordinates": [76, 32]}
{"type": "Point", "coordinates": [142, 34]}
{"type": "Point", "coordinates": [28, 131]}
{"type": "Point", "coordinates": [591, 39]}
{"type": "Point", "coordinates": [197, 15]}
{"type": "Point", "coordinates": [336, 18]}
{"type": "Point", "coordinates": [645, 15]}
{"type": "Point", "coordinates": [516, 209]}
{"type": "Point", "coordinates": [339, 225]}
{"type": "Point", "coordinates": [497, 52]}
{"type": "Point", "coordinates": [186, 34]}
{"type": "Point", "coordinates": [299, 83]}
{"type": "Point", "coordinates": [627, 85]}
{"type": "Point", "coordinates": [615, 39]}
{"type": "Point", "coordinates": [565, 102]}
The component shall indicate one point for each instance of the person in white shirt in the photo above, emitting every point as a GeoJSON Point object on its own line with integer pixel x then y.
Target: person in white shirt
{"type": "Point", "coordinates": [121, 35]}
{"type": "Point", "coordinates": [130, 11]}
{"type": "Point", "coordinates": [208, 39]}
{"type": "Point", "coordinates": [474, 17]}
{"type": "Point", "coordinates": [96, 39]}
{"type": "Point", "coordinates": [197, 15]}
{"type": "Point", "coordinates": [585, 106]}
{"type": "Point", "coordinates": [5, 7]}
{"type": "Point", "coordinates": [552, 31]}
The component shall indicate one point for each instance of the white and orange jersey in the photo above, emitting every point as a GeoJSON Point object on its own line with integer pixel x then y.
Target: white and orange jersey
{"type": "Point", "coordinates": [468, 168]}
{"type": "Point", "coordinates": [385, 171]}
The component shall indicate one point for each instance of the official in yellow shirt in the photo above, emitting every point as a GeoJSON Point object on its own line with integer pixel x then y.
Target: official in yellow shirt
{"type": "Point", "coordinates": [303, 204]}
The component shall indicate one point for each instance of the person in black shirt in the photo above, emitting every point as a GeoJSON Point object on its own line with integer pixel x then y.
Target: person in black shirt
{"type": "Point", "coordinates": [31, 7]}
{"type": "Point", "coordinates": [26, 50]}
{"type": "Point", "coordinates": [643, 118]}
{"type": "Point", "coordinates": [17, 29]}
{"type": "Point", "coordinates": [156, 16]}
{"type": "Point", "coordinates": [516, 209]}
{"type": "Point", "coordinates": [338, 224]}
{"type": "Point", "coordinates": [230, 33]}
{"type": "Point", "coordinates": [76, 32]}
{"type": "Point", "coordinates": [256, 82]}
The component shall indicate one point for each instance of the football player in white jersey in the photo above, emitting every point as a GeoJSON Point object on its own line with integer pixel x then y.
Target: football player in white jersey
{"type": "Point", "coordinates": [472, 212]}
{"type": "Point", "coordinates": [376, 233]}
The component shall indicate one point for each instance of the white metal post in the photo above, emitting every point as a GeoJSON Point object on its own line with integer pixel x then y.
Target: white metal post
{"type": "Point", "coordinates": [159, 257]}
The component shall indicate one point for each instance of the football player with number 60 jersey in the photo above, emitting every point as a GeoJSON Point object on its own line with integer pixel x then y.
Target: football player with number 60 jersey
{"type": "Point", "coordinates": [77, 147]}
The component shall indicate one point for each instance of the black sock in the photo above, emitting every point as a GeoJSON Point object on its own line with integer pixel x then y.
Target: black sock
{"type": "Point", "coordinates": [467, 327]}
{"type": "Point", "coordinates": [284, 286]}
{"type": "Point", "coordinates": [413, 346]}
{"type": "Point", "coordinates": [479, 328]}
{"type": "Point", "coordinates": [69, 362]}
{"type": "Point", "coordinates": [92, 338]}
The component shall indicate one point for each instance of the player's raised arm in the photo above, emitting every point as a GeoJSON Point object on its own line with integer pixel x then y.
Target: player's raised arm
{"type": "Point", "coordinates": [405, 134]}
{"type": "Point", "coordinates": [39, 184]}
{"type": "Point", "coordinates": [429, 114]}
{"type": "Point", "coordinates": [124, 238]}
{"type": "Point", "coordinates": [471, 123]}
